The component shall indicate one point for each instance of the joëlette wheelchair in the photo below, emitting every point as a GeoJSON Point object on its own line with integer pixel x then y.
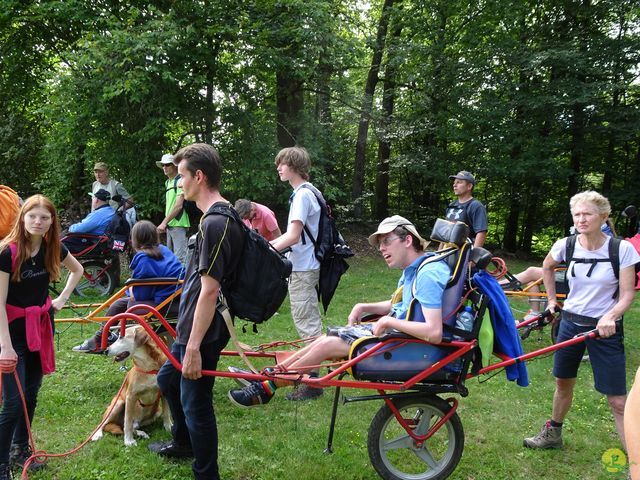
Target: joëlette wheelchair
{"type": "Point", "coordinates": [100, 254]}
{"type": "Point", "coordinates": [417, 433]}
{"type": "Point", "coordinates": [101, 264]}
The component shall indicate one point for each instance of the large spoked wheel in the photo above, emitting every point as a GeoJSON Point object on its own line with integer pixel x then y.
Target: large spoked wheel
{"type": "Point", "coordinates": [396, 456]}
{"type": "Point", "coordinates": [98, 279]}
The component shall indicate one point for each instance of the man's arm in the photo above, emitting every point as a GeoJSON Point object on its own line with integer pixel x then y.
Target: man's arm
{"type": "Point", "coordinates": [88, 224]}
{"type": "Point", "coordinates": [276, 232]}
{"type": "Point", "coordinates": [177, 207]}
{"type": "Point", "coordinates": [271, 224]}
{"type": "Point", "coordinates": [430, 330]}
{"type": "Point", "coordinates": [480, 238]}
{"type": "Point", "coordinates": [376, 308]}
{"type": "Point", "coordinates": [202, 318]}
{"type": "Point", "coordinates": [290, 237]}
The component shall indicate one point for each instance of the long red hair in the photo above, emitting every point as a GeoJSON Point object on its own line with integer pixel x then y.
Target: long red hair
{"type": "Point", "coordinates": [22, 238]}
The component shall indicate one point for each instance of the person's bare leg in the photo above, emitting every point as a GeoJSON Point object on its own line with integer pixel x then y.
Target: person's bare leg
{"type": "Point", "coordinates": [617, 404]}
{"type": "Point", "coordinates": [324, 348]}
{"type": "Point", "coordinates": [632, 428]}
{"type": "Point", "coordinates": [562, 398]}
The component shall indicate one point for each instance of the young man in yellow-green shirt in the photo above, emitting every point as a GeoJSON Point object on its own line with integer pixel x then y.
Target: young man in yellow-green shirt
{"type": "Point", "coordinates": [176, 221]}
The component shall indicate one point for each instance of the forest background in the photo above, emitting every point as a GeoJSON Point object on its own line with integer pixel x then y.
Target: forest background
{"type": "Point", "coordinates": [540, 99]}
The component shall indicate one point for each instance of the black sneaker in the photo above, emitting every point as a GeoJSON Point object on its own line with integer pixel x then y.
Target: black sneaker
{"type": "Point", "coordinates": [305, 392]}
{"type": "Point", "coordinates": [171, 449]}
{"type": "Point", "coordinates": [250, 396]}
{"type": "Point", "coordinates": [19, 454]}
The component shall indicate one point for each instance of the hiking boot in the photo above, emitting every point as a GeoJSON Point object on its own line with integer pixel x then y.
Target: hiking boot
{"type": "Point", "coordinates": [92, 345]}
{"type": "Point", "coordinates": [304, 392]}
{"type": "Point", "coordinates": [549, 437]}
{"type": "Point", "coordinates": [5, 471]}
{"type": "Point", "coordinates": [250, 396]}
{"type": "Point", "coordinates": [240, 381]}
{"type": "Point", "coordinates": [19, 454]}
{"type": "Point", "coordinates": [171, 449]}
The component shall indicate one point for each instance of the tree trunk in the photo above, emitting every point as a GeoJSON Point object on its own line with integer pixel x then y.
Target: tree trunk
{"type": "Point", "coordinates": [357, 187]}
{"type": "Point", "coordinates": [384, 144]}
{"type": "Point", "coordinates": [289, 102]}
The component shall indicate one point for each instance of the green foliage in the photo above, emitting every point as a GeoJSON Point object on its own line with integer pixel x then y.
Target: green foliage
{"type": "Point", "coordinates": [539, 100]}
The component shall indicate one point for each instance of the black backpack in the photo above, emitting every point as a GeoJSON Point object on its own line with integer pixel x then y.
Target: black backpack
{"type": "Point", "coordinates": [118, 231]}
{"type": "Point", "coordinates": [259, 284]}
{"type": "Point", "coordinates": [614, 259]}
{"type": "Point", "coordinates": [330, 249]}
{"type": "Point", "coordinates": [189, 207]}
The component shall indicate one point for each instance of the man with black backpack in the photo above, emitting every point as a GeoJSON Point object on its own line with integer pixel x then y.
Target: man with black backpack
{"type": "Point", "coordinates": [201, 330]}
{"type": "Point", "coordinates": [176, 221]}
{"type": "Point", "coordinates": [293, 165]}
{"type": "Point", "coordinates": [467, 209]}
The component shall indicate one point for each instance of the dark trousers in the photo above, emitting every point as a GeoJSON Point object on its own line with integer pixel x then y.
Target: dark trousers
{"type": "Point", "coordinates": [191, 404]}
{"type": "Point", "coordinates": [13, 428]}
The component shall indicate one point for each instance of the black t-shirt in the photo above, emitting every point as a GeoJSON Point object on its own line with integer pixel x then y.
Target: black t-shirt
{"type": "Point", "coordinates": [31, 290]}
{"type": "Point", "coordinates": [216, 253]}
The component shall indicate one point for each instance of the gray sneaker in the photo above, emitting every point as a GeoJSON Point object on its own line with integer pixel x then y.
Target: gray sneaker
{"type": "Point", "coordinates": [239, 380]}
{"type": "Point", "coordinates": [549, 437]}
{"type": "Point", "coordinates": [304, 392]}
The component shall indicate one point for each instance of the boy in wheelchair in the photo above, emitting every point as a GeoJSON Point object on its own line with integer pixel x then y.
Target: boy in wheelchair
{"type": "Point", "coordinates": [402, 247]}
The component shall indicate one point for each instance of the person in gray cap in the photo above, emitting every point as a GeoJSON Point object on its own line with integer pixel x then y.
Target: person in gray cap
{"type": "Point", "coordinates": [401, 247]}
{"type": "Point", "coordinates": [176, 220]}
{"type": "Point", "coordinates": [467, 209]}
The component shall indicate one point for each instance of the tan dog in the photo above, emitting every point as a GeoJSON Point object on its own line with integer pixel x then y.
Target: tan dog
{"type": "Point", "coordinates": [139, 401]}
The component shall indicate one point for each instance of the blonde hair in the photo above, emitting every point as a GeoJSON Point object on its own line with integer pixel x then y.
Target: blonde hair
{"type": "Point", "coordinates": [22, 238]}
{"type": "Point", "coordinates": [594, 198]}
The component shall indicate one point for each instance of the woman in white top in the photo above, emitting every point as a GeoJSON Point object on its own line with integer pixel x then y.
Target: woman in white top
{"type": "Point", "coordinates": [597, 299]}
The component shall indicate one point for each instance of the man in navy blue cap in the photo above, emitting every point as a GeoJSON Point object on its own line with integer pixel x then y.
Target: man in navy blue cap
{"type": "Point", "coordinates": [98, 220]}
{"type": "Point", "coordinates": [467, 209]}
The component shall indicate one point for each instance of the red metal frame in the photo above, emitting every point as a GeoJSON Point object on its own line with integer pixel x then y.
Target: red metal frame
{"type": "Point", "coordinates": [331, 380]}
{"type": "Point", "coordinates": [410, 428]}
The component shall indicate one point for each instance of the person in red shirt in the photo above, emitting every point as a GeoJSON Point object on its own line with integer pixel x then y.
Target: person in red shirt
{"type": "Point", "coordinates": [258, 217]}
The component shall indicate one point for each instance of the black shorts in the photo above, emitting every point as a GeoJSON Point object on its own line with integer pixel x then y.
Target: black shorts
{"type": "Point", "coordinates": [606, 356]}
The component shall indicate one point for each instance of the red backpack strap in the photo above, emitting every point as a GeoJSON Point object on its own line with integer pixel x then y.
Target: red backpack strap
{"type": "Point", "coordinates": [13, 248]}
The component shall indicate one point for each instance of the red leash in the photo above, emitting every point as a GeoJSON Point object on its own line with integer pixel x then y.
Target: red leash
{"type": "Point", "coordinates": [9, 366]}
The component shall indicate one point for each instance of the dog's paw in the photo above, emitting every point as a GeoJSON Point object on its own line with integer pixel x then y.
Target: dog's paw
{"type": "Point", "coordinates": [141, 433]}
{"type": "Point", "coordinates": [167, 426]}
{"type": "Point", "coordinates": [130, 442]}
{"type": "Point", "coordinates": [97, 435]}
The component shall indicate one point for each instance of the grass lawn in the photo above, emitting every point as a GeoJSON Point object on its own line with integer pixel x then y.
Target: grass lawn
{"type": "Point", "coordinates": [285, 440]}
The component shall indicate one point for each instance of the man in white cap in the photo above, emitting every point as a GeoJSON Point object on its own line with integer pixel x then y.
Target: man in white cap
{"type": "Point", "coordinates": [176, 220]}
{"type": "Point", "coordinates": [467, 209]}
{"type": "Point", "coordinates": [401, 247]}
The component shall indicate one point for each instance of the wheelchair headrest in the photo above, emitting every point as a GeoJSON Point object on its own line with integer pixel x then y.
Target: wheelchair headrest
{"type": "Point", "coordinates": [481, 257]}
{"type": "Point", "coordinates": [446, 231]}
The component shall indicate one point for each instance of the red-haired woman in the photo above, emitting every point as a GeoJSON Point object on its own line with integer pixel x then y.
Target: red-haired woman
{"type": "Point", "coordinates": [30, 258]}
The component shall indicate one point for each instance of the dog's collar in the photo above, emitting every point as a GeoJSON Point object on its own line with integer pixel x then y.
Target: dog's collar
{"type": "Point", "coordinates": [148, 372]}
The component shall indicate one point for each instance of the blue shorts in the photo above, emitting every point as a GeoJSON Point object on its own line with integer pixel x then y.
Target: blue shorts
{"type": "Point", "coordinates": [606, 356]}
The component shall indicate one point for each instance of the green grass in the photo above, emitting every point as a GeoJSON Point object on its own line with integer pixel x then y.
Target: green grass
{"type": "Point", "coordinates": [285, 440]}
